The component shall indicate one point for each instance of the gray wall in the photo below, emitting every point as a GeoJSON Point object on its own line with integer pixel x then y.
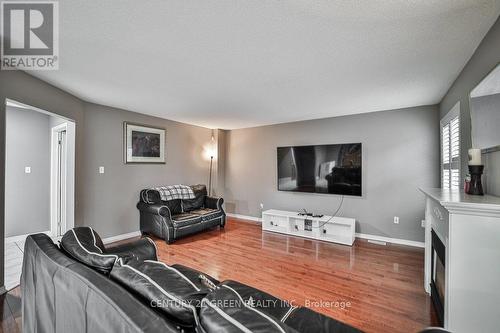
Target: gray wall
{"type": "Point", "coordinates": [26, 89]}
{"type": "Point", "coordinates": [219, 181]}
{"type": "Point", "coordinates": [99, 142]}
{"type": "Point", "coordinates": [485, 59]}
{"type": "Point", "coordinates": [110, 198]}
{"type": "Point", "coordinates": [400, 154]}
{"type": "Point", "coordinates": [27, 144]}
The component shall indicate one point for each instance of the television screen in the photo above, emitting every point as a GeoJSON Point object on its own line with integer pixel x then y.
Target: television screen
{"type": "Point", "coordinates": [331, 169]}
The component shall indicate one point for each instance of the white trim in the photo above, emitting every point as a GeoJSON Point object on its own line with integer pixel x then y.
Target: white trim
{"type": "Point", "coordinates": [391, 240]}
{"type": "Point", "coordinates": [245, 217]}
{"type": "Point", "coordinates": [181, 302]}
{"type": "Point", "coordinates": [254, 309]}
{"type": "Point", "coordinates": [174, 270]}
{"type": "Point", "coordinates": [68, 222]}
{"type": "Point", "coordinates": [22, 238]}
{"type": "Point", "coordinates": [95, 242]}
{"type": "Point", "coordinates": [154, 244]}
{"type": "Point", "coordinates": [377, 242]}
{"type": "Point", "coordinates": [225, 315]}
{"type": "Point", "coordinates": [121, 237]}
{"type": "Point", "coordinates": [358, 235]}
{"type": "Point", "coordinates": [108, 240]}
{"type": "Point", "coordinates": [287, 314]}
{"type": "Point", "coordinates": [16, 104]}
{"type": "Point", "coordinates": [94, 253]}
{"type": "Point", "coordinates": [54, 148]}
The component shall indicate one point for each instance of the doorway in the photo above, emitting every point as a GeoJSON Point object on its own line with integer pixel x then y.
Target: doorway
{"type": "Point", "coordinates": [39, 174]}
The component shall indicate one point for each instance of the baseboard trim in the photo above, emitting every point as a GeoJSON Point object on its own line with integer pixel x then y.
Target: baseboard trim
{"type": "Point", "coordinates": [2, 290]}
{"type": "Point", "coordinates": [358, 235]}
{"type": "Point", "coordinates": [245, 217]}
{"type": "Point", "coordinates": [391, 240]}
{"type": "Point", "coordinates": [117, 238]}
{"type": "Point", "coordinates": [105, 240]}
{"type": "Point", "coordinates": [21, 238]}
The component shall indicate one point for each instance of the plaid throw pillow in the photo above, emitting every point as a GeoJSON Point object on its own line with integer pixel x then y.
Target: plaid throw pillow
{"type": "Point", "coordinates": [173, 192]}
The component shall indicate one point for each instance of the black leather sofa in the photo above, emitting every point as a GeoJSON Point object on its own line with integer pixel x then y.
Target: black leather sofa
{"type": "Point", "coordinates": [66, 289]}
{"type": "Point", "coordinates": [173, 219]}
{"type": "Point", "coordinates": [60, 294]}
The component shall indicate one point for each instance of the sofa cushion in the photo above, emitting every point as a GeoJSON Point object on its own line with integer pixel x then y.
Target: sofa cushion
{"type": "Point", "coordinates": [175, 206]}
{"type": "Point", "coordinates": [85, 245]}
{"type": "Point", "coordinates": [306, 320]}
{"type": "Point", "coordinates": [140, 249]}
{"type": "Point", "coordinates": [185, 219]}
{"type": "Point", "coordinates": [194, 275]}
{"type": "Point", "coordinates": [259, 299]}
{"type": "Point", "coordinates": [175, 290]}
{"type": "Point", "coordinates": [234, 307]}
{"type": "Point", "coordinates": [200, 192]}
{"type": "Point", "coordinates": [207, 214]}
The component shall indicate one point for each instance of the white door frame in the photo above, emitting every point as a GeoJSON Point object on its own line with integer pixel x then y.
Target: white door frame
{"type": "Point", "coordinates": [54, 181]}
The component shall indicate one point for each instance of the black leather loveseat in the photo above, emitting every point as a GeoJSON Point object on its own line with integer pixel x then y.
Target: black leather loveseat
{"type": "Point", "coordinates": [83, 286]}
{"type": "Point", "coordinates": [173, 219]}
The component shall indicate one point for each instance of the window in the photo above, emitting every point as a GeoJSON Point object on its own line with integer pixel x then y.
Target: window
{"type": "Point", "coordinates": [450, 149]}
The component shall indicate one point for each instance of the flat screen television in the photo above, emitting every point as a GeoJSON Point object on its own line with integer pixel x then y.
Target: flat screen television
{"type": "Point", "coordinates": [330, 169]}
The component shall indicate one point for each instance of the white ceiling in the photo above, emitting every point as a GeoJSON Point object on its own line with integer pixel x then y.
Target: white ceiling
{"type": "Point", "coordinates": [233, 64]}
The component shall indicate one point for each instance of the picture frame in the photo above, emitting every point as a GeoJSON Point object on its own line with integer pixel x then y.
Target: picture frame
{"type": "Point", "coordinates": [143, 144]}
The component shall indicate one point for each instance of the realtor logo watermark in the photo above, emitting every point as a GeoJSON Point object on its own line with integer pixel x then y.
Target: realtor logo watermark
{"type": "Point", "coordinates": [30, 35]}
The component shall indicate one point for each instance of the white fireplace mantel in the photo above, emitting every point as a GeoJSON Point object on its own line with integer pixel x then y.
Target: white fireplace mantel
{"type": "Point", "coordinates": [469, 227]}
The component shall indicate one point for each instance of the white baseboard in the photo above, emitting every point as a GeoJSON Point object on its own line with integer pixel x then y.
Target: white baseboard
{"type": "Point", "coordinates": [245, 217]}
{"type": "Point", "coordinates": [358, 235]}
{"type": "Point", "coordinates": [107, 240]}
{"type": "Point", "coordinates": [22, 238]}
{"type": "Point", "coordinates": [117, 238]}
{"type": "Point", "coordinates": [391, 240]}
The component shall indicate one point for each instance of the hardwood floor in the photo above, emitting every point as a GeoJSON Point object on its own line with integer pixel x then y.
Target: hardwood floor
{"type": "Point", "coordinates": [382, 284]}
{"type": "Point", "coordinates": [10, 308]}
{"type": "Point", "coordinates": [375, 288]}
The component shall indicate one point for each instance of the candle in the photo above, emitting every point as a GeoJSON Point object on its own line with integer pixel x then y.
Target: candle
{"type": "Point", "coordinates": [475, 156]}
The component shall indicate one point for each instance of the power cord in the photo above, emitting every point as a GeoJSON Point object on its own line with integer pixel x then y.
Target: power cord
{"type": "Point", "coordinates": [334, 214]}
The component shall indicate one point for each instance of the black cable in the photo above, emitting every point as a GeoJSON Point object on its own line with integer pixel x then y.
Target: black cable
{"type": "Point", "coordinates": [334, 214]}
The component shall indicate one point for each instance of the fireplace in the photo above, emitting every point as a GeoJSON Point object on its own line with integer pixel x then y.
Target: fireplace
{"type": "Point", "coordinates": [438, 264]}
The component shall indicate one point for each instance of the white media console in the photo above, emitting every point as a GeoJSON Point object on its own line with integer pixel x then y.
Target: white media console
{"type": "Point", "coordinates": [337, 230]}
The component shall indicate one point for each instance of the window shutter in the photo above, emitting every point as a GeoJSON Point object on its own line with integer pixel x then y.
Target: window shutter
{"type": "Point", "coordinates": [450, 141]}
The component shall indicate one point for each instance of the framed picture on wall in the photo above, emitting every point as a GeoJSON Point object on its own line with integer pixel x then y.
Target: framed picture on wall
{"type": "Point", "coordinates": [143, 144]}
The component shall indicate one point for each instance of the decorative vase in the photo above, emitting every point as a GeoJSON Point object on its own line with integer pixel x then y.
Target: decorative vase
{"type": "Point", "coordinates": [476, 186]}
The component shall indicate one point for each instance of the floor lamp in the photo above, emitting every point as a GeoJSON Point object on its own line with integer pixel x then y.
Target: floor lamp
{"type": "Point", "coordinates": [210, 177]}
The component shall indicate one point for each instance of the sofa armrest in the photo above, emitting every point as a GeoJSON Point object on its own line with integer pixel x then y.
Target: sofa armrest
{"type": "Point", "coordinates": [150, 196]}
{"type": "Point", "coordinates": [156, 219]}
{"type": "Point", "coordinates": [214, 203]}
{"type": "Point", "coordinates": [141, 249]}
{"type": "Point", "coordinates": [155, 209]}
